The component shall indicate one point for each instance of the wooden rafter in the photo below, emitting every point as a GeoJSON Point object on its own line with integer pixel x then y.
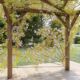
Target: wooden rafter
{"type": "Point", "coordinates": [55, 6]}
{"type": "Point", "coordinates": [65, 3]}
{"type": "Point", "coordinates": [61, 19]}
{"type": "Point", "coordinates": [24, 11]}
{"type": "Point", "coordinates": [74, 19]}
{"type": "Point", "coordinates": [1, 1]}
{"type": "Point", "coordinates": [32, 10]}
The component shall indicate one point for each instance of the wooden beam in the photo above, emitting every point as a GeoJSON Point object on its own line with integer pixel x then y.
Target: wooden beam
{"type": "Point", "coordinates": [61, 19]}
{"type": "Point", "coordinates": [65, 3]}
{"type": "Point", "coordinates": [53, 5]}
{"type": "Point", "coordinates": [74, 19]}
{"type": "Point", "coordinates": [67, 51]}
{"type": "Point", "coordinates": [31, 10]}
{"type": "Point", "coordinates": [1, 1]}
{"type": "Point", "coordinates": [9, 30]}
{"type": "Point", "coordinates": [67, 25]}
{"type": "Point", "coordinates": [67, 45]}
{"type": "Point", "coordinates": [9, 45]}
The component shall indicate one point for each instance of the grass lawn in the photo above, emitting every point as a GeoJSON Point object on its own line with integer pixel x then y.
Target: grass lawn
{"type": "Point", "coordinates": [31, 56]}
{"type": "Point", "coordinates": [75, 52]}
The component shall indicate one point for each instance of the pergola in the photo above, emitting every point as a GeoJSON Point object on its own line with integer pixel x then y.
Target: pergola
{"type": "Point", "coordinates": [61, 14]}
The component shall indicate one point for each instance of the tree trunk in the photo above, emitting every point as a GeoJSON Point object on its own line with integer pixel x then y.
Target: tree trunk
{"type": "Point", "coordinates": [9, 51]}
{"type": "Point", "coordinates": [67, 50]}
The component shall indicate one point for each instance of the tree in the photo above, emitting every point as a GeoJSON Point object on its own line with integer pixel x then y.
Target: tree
{"type": "Point", "coordinates": [34, 23]}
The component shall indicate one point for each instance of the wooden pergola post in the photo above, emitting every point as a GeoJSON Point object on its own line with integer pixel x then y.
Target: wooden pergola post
{"type": "Point", "coordinates": [67, 44]}
{"type": "Point", "coordinates": [66, 22]}
{"type": "Point", "coordinates": [9, 45]}
{"type": "Point", "coordinates": [9, 38]}
{"type": "Point", "coordinates": [9, 71]}
{"type": "Point", "coordinates": [67, 50]}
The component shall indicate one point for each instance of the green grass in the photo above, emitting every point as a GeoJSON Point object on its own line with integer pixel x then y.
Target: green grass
{"type": "Point", "coordinates": [27, 56]}
{"type": "Point", "coordinates": [34, 56]}
{"type": "Point", "coordinates": [75, 52]}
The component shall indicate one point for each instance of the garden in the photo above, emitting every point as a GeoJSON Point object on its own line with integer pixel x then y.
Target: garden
{"type": "Point", "coordinates": [39, 31]}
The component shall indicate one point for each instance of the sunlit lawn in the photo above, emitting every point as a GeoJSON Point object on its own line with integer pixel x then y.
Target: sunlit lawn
{"type": "Point", "coordinates": [28, 56]}
{"type": "Point", "coordinates": [75, 52]}
{"type": "Point", "coordinates": [33, 56]}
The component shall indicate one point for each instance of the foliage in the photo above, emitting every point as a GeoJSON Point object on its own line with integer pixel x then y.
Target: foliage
{"type": "Point", "coordinates": [3, 33]}
{"type": "Point", "coordinates": [31, 56]}
{"type": "Point", "coordinates": [33, 24]}
{"type": "Point", "coordinates": [77, 40]}
{"type": "Point", "coordinates": [52, 35]}
{"type": "Point", "coordinates": [13, 4]}
{"type": "Point", "coordinates": [74, 31]}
